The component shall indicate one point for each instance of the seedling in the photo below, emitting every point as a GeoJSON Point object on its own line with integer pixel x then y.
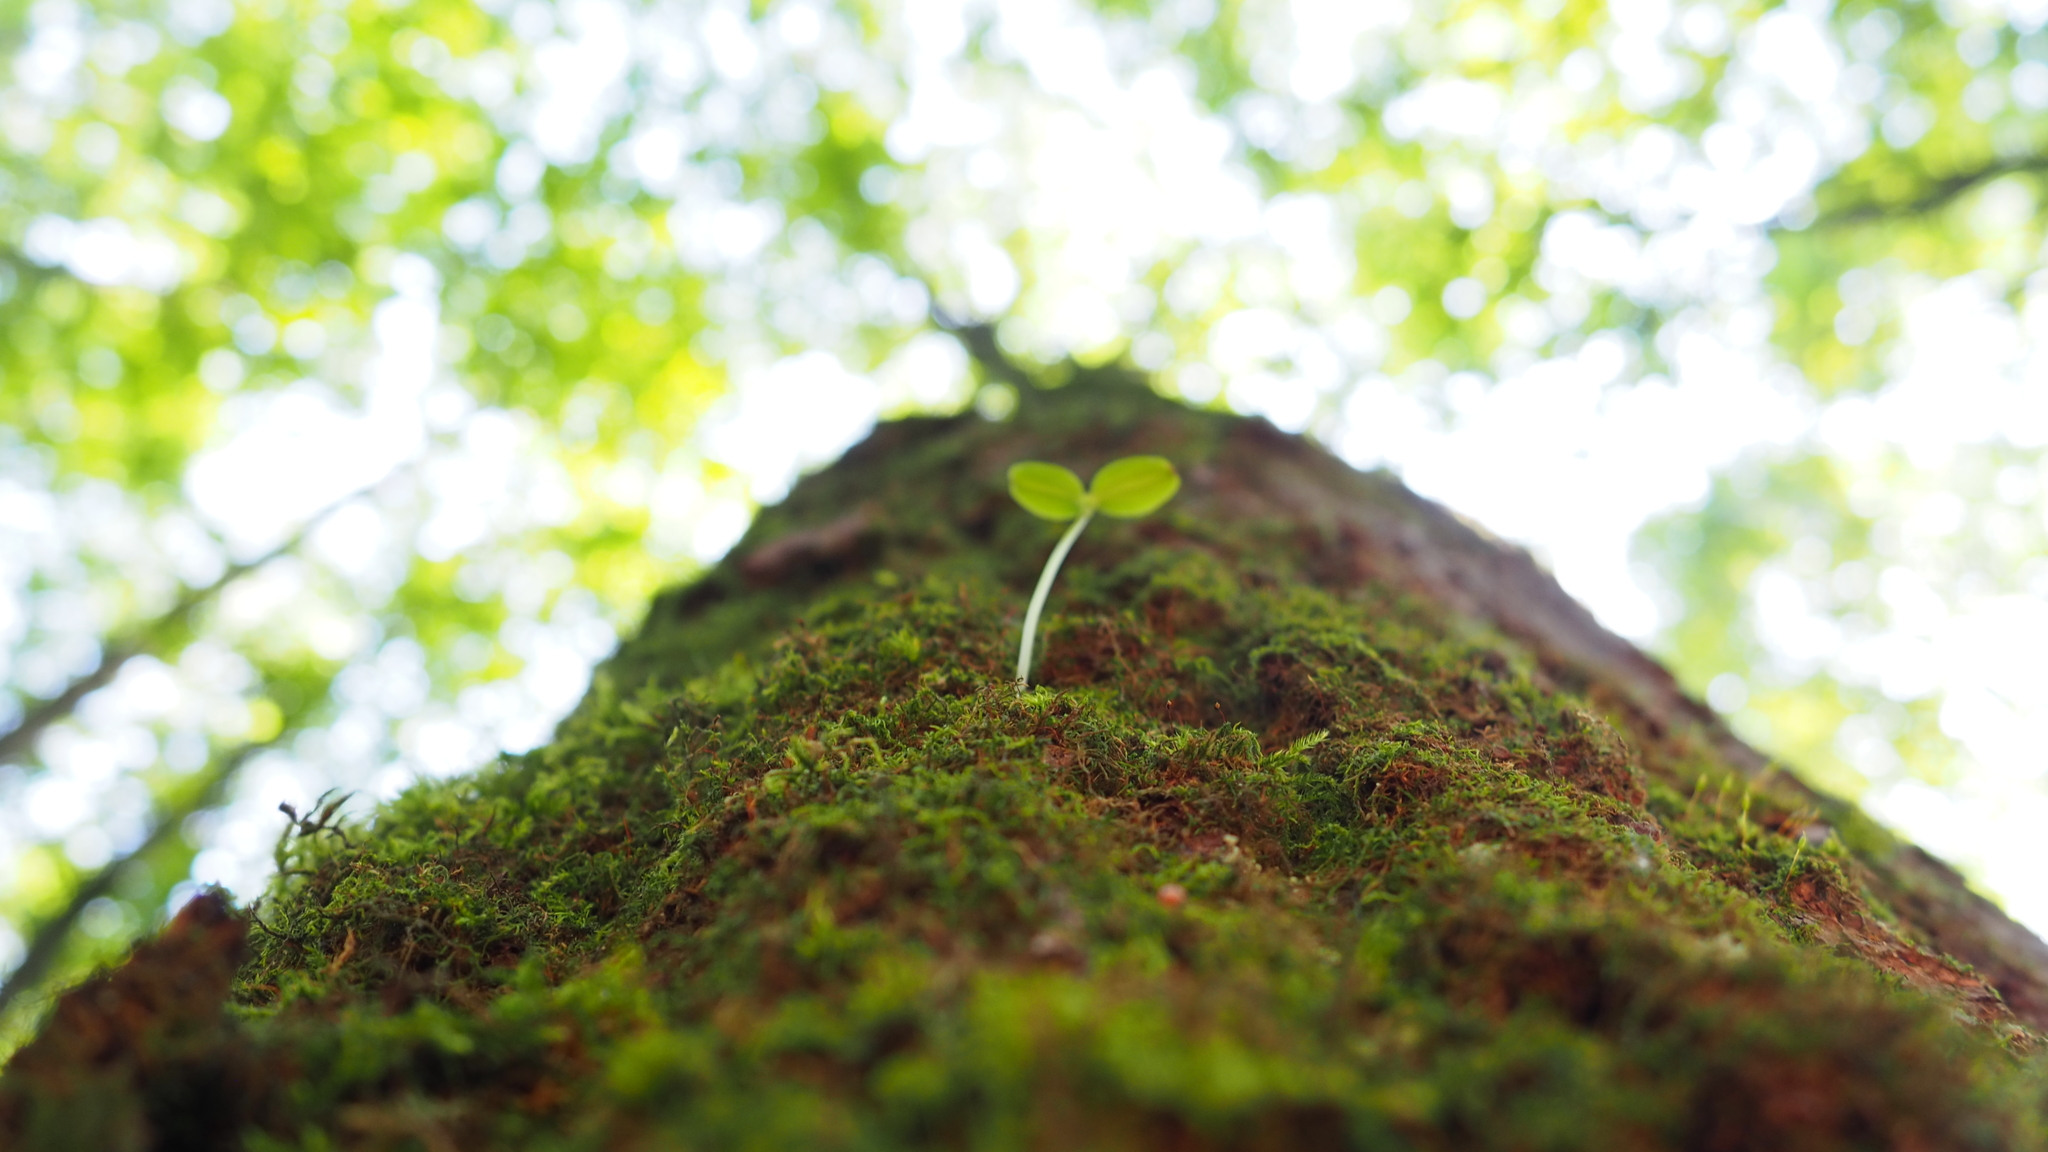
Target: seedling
{"type": "Point", "coordinates": [1127, 489]}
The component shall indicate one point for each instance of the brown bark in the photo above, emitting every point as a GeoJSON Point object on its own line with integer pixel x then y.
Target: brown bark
{"type": "Point", "coordinates": [1370, 527]}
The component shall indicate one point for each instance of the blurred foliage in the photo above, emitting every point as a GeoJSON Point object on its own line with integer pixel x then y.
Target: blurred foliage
{"type": "Point", "coordinates": [212, 212]}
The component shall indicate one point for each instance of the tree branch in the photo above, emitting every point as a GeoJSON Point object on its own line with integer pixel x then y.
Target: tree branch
{"type": "Point", "coordinates": [18, 743]}
{"type": "Point", "coordinates": [980, 341]}
{"type": "Point", "coordinates": [1937, 196]}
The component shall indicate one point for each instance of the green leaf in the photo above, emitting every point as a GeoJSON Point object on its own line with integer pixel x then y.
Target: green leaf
{"type": "Point", "coordinates": [1047, 490]}
{"type": "Point", "coordinates": [1134, 486]}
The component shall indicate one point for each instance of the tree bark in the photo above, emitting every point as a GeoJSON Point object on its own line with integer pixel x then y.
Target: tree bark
{"type": "Point", "coordinates": [1335, 823]}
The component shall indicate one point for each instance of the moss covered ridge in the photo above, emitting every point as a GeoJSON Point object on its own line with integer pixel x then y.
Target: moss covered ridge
{"type": "Point", "coordinates": [1281, 854]}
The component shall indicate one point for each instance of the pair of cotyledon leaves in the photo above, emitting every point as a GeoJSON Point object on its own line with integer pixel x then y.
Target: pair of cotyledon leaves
{"type": "Point", "coordinates": [1128, 488]}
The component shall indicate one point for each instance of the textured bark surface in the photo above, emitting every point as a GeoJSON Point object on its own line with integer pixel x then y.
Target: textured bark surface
{"type": "Point", "coordinates": [1334, 824]}
{"type": "Point", "coordinates": [1386, 533]}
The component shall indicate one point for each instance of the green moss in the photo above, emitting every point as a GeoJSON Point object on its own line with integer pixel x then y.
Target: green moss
{"type": "Point", "coordinates": [1263, 863]}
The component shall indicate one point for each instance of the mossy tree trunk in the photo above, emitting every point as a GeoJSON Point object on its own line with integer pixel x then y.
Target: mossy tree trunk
{"type": "Point", "coordinates": [1332, 824]}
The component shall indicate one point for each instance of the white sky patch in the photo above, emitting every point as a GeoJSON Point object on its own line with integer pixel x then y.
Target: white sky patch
{"type": "Point", "coordinates": [1957, 384]}
{"type": "Point", "coordinates": [196, 110]}
{"type": "Point", "coordinates": [929, 373]}
{"type": "Point", "coordinates": [796, 414]}
{"type": "Point", "coordinates": [298, 450]}
{"type": "Point", "coordinates": [106, 252]}
{"type": "Point", "coordinates": [1567, 460]}
{"type": "Point", "coordinates": [687, 519]}
{"type": "Point", "coordinates": [491, 480]}
{"type": "Point", "coordinates": [1446, 109]}
{"type": "Point", "coordinates": [1968, 376]}
{"type": "Point", "coordinates": [581, 78]}
{"type": "Point", "coordinates": [1326, 36]}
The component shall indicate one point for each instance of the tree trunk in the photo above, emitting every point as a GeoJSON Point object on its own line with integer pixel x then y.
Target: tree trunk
{"type": "Point", "coordinates": [1332, 823]}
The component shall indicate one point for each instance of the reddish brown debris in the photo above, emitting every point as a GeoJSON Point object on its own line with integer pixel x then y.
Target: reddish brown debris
{"type": "Point", "coordinates": [144, 1049]}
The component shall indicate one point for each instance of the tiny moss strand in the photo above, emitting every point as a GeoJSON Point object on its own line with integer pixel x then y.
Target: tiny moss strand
{"type": "Point", "coordinates": [1038, 595]}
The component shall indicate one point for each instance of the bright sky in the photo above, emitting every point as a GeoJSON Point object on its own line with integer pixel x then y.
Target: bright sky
{"type": "Point", "coordinates": [1111, 165]}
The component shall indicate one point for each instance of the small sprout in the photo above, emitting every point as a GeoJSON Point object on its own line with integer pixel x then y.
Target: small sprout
{"type": "Point", "coordinates": [1128, 488]}
{"type": "Point", "coordinates": [320, 818]}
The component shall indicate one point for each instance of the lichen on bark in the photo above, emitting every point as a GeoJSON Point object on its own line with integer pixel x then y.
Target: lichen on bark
{"type": "Point", "coordinates": [1332, 824]}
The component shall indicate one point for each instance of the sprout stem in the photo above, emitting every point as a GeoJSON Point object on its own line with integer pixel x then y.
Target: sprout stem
{"type": "Point", "coordinates": [1052, 569]}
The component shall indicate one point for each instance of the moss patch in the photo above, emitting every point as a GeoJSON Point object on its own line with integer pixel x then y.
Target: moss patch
{"type": "Point", "coordinates": [1267, 862]}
